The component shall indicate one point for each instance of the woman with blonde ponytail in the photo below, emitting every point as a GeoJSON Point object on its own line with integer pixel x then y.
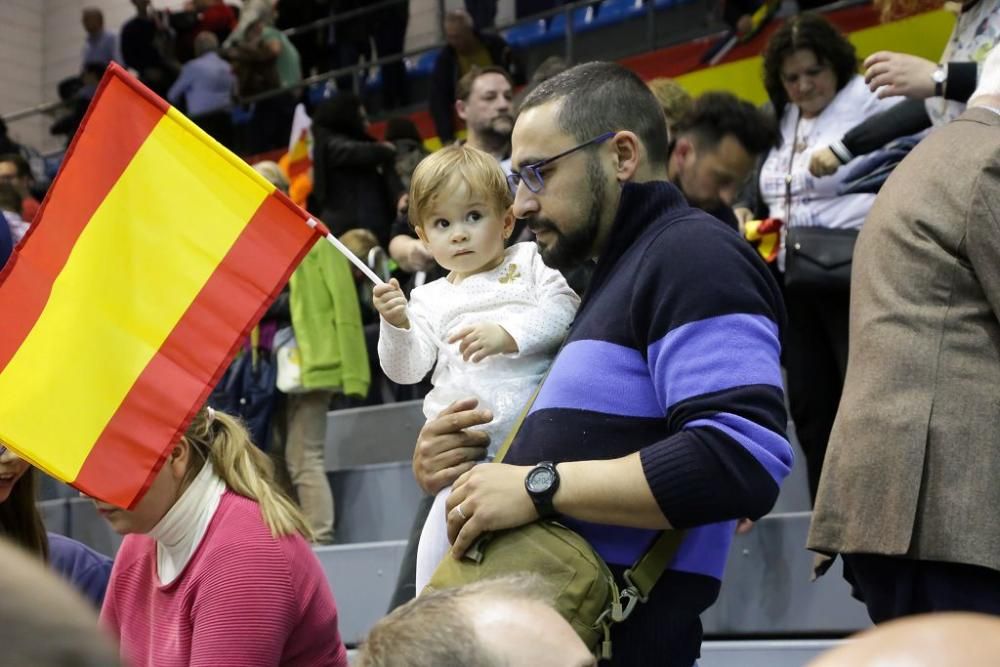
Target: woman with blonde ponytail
{"type": "Point", "coordinates": [215, 568]}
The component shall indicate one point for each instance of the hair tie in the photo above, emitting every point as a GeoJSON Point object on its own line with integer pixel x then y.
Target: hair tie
{"type": "Point", "coordinates": [211, 414]}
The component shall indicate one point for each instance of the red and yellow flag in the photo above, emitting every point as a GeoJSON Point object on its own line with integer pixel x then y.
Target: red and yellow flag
{"type": "Point", "coordinates": [154, 253]}
{"type": "Point", "coordinates": [765, 235]}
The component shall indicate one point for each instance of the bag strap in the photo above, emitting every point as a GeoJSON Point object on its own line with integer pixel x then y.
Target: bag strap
{"type": "Point", "coordinates": [647, 570]}
{"type": "Point", "coordinates": [502, 452]}
{"type": "Point", "coordinates": [641, 577]}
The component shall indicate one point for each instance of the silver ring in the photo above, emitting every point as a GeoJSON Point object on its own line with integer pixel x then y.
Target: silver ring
{"type": "Point", "coordinates": [458, 508]}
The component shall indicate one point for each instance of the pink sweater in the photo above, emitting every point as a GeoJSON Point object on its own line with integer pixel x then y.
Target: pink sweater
{"type": "Point", "coordinates": [244, 599]}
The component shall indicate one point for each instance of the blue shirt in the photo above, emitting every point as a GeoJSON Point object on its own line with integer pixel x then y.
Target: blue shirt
{"type": "Point", "coordinates": [206, 83]}
{"type": "Point", "coordinates": [84, 568]}
{"type": "Point", "coordinates": [101, 49]}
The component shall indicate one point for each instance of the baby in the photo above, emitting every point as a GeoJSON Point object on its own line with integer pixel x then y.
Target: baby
{"type": "Point", "coordinates": [490, 328]}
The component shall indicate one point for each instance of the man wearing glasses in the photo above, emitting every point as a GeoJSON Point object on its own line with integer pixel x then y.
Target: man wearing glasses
{"type": "Point", "coordinates": [664, 409]}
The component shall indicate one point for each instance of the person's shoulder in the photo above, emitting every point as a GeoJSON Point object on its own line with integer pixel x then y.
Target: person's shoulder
{"type": "Point", "coordinates": [524, 251]}
{"type": "Point", "coordinates": [67, 552]}
{"type": "Point", "coordinates": [136, 553]}
{"type": "Point", "coordinates": [430, 291]}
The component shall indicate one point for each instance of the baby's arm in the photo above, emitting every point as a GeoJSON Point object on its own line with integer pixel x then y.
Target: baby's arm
{"type": "Point", "coordinates": [482, 340]}
{"type": "Point", "coordinates": [404, 352]}
{"type": "Point", "coordinates": [390, 302]}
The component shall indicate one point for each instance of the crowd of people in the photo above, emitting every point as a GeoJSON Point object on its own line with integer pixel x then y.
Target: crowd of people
{"type": "Point", "coordinates": [573, 291]}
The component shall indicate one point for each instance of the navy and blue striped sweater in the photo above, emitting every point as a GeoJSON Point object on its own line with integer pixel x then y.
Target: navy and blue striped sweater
{"type": "Point", "coordinates": [674, 354]}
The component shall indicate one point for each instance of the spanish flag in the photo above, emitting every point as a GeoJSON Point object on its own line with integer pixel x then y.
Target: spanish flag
{"type": "Point", "coordinates": [765, 236]}
{"type": "Point", "coordinates": [154, 253]}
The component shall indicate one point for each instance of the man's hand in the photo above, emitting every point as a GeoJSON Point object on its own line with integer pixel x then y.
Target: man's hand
{"type": "Point", "coordinates": [410, 254]}
{"type": "Point", "coordinates": [743, 216]}
{"type": "Point", "coordinates": [823, 163]}
{"type": "Point", "coordinates": [446, 448]}
{"type": "Point", "coordinates": [892, 74]}
{"type": "Point", "coordinates": [488, 497]}
{"type": "Point", "coordinates": [483, 340]}
{"type": "Point", "coordinates": [390, 302]}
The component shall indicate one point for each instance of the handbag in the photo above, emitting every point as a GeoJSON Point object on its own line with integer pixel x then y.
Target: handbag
{"type": "Point", "coordinates": [289, 362]}
{"type": "Point", "coordinates": [817, 259]}
{"type": "Point", "coordinates": [586, 593]}
{"type": "Point", "coordinates": [247, 390]}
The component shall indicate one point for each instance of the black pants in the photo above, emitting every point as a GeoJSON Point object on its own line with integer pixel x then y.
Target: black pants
{"type": "Point", "coordinates": [406, 580]}
{"type": "Point", "coordinates": [389, 34]}
{"type": "Point", "coordinates": [893, 587]}
{"type": "Point", "coordinates": [483, 12]}
{"type": "Point", "coordinates": [815, 351]}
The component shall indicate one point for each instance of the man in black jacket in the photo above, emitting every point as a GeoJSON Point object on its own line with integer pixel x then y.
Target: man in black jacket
{"type": "Point", "coordinates": [465, 49]}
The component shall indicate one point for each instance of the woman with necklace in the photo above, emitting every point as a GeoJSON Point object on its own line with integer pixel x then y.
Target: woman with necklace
{"type": "Point", "coordinates": [811, 76]}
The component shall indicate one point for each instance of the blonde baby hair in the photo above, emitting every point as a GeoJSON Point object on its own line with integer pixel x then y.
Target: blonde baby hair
{"type": "Point", "coordinates": [442, 171]}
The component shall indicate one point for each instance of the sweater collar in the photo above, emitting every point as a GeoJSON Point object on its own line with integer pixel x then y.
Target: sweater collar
{"type": "Point", "coordinates": [641, 205]}
{"type": "Point", "coordinates": [183, 527]}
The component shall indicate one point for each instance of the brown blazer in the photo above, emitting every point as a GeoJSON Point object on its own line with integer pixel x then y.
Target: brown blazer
{"type": "Point", "coordinates": [913, 465]}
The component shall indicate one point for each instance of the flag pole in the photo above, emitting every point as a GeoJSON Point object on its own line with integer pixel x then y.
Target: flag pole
{"type": "Point", "coordinates": [345, 251]}
{"type": "Point", "coordinates": [372, 276]}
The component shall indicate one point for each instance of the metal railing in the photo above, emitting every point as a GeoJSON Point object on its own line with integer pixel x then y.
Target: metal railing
{"type": "Point", "coordinates": [356, 70]}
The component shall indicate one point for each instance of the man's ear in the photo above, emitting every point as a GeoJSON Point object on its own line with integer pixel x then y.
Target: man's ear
{"type": "Point", "coordinates": [627, 154]}
{"type": "Point", "coordinates": [684, 149]}
{"type": "Point", "coordinates": [460, 108]}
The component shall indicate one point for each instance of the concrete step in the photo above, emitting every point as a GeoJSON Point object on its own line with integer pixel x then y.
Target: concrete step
{"type": "Point", "coordinates": [374, 503]}
{"type": "Point", "coordinates": [377, 434]}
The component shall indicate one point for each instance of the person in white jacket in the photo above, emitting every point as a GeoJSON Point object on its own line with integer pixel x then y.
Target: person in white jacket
{"type": "Point", "coordinates": [490, 328]}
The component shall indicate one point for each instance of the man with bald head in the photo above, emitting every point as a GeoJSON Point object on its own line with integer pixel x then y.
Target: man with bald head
{"type": "Point", "coordinates": [492, 623]}
{"type": "Point", "coordinates": [930, 640]}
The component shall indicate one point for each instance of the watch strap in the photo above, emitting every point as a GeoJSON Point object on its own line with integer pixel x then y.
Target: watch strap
{"type": "Point", "coordinates": [543, 503]}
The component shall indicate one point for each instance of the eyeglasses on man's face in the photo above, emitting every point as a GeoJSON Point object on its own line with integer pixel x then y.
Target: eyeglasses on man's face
{"type": "Point", "coordinates": [531, 174]}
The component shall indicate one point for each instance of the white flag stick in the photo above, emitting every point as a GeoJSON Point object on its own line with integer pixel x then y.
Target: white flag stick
{"type": "Point", "coordinates": [356, 261]}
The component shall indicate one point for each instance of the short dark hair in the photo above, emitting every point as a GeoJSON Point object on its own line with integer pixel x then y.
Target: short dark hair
{"type": "Point", "coordinates": [810, 32]}
{"type": "Point", "coordinates": [601, 97]}
{"type": "Point", "coordinates": [22, 166]}
{"type": "Point", "coordinates": [464, 87]}
{"type": "Point", "coordinates": [715, 115]}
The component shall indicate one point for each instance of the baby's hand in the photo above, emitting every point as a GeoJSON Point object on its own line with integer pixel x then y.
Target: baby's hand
{"type": "Point", "coordinates": [389, 301]}
{"type": "Point", "coordinates": [483, 340]}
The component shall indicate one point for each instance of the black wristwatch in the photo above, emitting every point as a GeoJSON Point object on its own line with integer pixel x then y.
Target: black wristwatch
{"type": "Point", "coordinates": [542, 483]}
{"type": "Point", "coordinates": [940, 78]}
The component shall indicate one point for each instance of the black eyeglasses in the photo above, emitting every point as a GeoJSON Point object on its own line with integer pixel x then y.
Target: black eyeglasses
{"type": "Point", "coordinates": [531, 174]}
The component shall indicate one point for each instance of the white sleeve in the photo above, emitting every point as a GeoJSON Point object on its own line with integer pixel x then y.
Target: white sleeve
{"type": "Point", "coordinates": [407, 355]}
{"type": "Point", "coordinates": [542, 328]}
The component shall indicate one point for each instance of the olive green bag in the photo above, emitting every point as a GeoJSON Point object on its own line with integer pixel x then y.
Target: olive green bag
{"type": "Point", "coordinates": [586, 593]}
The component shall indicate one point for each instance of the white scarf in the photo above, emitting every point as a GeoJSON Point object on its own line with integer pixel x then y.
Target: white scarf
{"type": "Point", "coordinates": [182, 528]}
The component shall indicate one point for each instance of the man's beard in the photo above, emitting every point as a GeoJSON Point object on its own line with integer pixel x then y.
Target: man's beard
{"type": "Point", "coordinates": [497, 132]}
{"type": "Point", "coordinates": [694, 203]}
{"type": "Point", "coordinates": [572, 248]}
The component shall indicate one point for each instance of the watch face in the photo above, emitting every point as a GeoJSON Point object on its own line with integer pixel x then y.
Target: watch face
{"type": "Point", "coordinates": [540, 480]}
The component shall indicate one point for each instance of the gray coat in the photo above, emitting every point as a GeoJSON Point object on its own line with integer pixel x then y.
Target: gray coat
{"type": "Point", "coordinates": [913, 465]}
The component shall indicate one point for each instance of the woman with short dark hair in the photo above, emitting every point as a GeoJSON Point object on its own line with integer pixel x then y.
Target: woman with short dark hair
{"type": "Point", "coordinates": [810, 73]}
